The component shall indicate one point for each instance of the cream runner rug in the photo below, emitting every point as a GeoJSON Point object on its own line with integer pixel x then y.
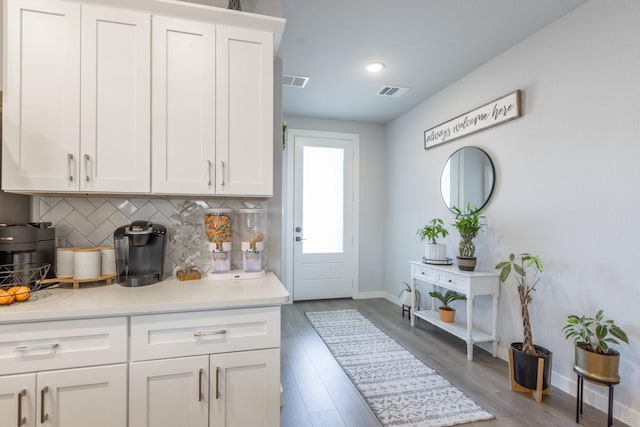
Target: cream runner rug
{"type": "Point", "coordinates": [400, 389]}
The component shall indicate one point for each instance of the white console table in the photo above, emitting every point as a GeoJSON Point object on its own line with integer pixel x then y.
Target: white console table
{"type": "Point", "coordinates": [469, 283]}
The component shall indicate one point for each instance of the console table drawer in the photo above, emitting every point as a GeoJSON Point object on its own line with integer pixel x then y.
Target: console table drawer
{"type": "Point", "coordinates": [456, 283]}
{"type": "Point", "coordinates": [159, 336]}
{"type": "Point", "coordinates": [424, 274]}
{"type": "Point", "coordinates": [29, 347]}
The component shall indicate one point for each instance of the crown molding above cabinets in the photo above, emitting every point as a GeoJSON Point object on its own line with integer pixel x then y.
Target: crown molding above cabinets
{"type": "Point", "coordinates": [140, 97]}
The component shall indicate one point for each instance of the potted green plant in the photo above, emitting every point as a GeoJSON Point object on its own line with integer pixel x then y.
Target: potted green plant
{"type": "Point", "coordinates": [434, 251]}
{"type": "Point", "coordinates": [446, 312]}
{"type": "Point", "coordinates": [405, 296]}
{"type": "Point", "coordinates": [594, 358]}
{"type": "Point", "coordinates": [526, 268]}
{"type": "Point", "coordinates": [468, 224]}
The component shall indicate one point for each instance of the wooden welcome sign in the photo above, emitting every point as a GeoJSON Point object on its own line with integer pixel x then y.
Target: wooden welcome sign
{"type": "Point", "coordinates": [490, 114]}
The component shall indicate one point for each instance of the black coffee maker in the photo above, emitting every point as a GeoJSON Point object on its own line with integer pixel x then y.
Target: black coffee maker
{"type": "Point", "coordinates": [28, 244]}
{"type": "Point", "coordinates": [139, 250]}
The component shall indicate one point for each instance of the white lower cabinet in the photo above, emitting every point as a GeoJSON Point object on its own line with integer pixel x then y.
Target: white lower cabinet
{"type": "Point", "coordinates": [80, 397]}
{"type": "Point", "coordinates": [231, 389]}
{"type": "Point", "coordinates": [169, 392]}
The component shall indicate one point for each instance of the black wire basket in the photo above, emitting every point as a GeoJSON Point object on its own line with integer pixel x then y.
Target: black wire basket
{"type": "Point", "coordinates": [30, 275]}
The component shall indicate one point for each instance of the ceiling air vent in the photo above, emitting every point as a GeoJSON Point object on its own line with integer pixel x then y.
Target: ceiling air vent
{"type": "Point", "coordinates": [392, 91]}
{"type": "Point", "coordinates": [294, 81]}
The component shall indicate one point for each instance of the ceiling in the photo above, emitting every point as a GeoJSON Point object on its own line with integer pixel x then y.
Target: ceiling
{"type": "Point", "coordinates": [425, 44]}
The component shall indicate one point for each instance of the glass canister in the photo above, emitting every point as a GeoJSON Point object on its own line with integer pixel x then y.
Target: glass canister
{"type": "Point", "coordinates": [252, 227]}
{"type": "Point", "coordinates": [218, 225]}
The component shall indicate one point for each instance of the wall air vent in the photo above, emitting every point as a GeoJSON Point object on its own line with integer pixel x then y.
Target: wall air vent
{"type": "Point", "coordinates": [392, 91]}
{"type": "Point", "coordinates": [294, 81]}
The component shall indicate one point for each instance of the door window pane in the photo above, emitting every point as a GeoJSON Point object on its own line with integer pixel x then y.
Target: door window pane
{"type": "Point", "coordinates": [323, 202]}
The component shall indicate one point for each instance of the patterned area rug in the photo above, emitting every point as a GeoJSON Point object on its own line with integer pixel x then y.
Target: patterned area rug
{"type": "Point", "coordinates": [399, 388]}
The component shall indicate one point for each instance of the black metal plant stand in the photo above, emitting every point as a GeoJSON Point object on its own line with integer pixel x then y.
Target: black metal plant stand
{"type": "Point", "coordinates": [580, 393]}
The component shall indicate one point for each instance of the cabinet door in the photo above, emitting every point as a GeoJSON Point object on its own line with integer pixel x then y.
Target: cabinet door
{"type": "Point", "coordinates": [42, 96]}
{"type": "Point", "coordinates": [18, 401]}
{"type": "Point", "coordinates": [183, 123]}
{"type": "Point", "coordinates": [244, 105]}
{"type": "Point", "coordinates": [169, 393]}
{"type": "Point", "coordinates": [248, 379]}
{"type": "Point", "coordinates": [116, 97]}
{"type": "Point", "coordinates": [95, 397]}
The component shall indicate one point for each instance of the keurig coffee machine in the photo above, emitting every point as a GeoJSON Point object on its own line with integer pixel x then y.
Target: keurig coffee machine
{"type": "Point", "coordinates": [139, 253]}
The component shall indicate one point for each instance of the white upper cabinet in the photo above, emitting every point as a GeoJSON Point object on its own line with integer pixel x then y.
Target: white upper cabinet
{"type": "Point", "coordinates": [77, 124]}
{"type": "Point", "coordinates": [41, 121]}
{"type": "Point", "coordinates": [166, 98]}
{"type": "Point", "coordinates": [184, 120]}
{"type": "Point", "coordinates": [244, 106]}
{"type": "Point", "coordinates": [115, 103]}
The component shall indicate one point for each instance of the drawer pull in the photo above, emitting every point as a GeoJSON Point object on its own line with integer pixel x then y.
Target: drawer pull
{"type": "Point", "coordinates": [205, 333]}
{"type": "Point", "coordinates": [25, 348]}
{"type": "Point", "coordinates": [450, 280]}
{"type": "Point", "coordinates": [217, 382]}
{"type": "Point", "coordinates": [200, 384]}
{"type": "Point", "coordinates": [21, 420]}
{"type": "Point", "coordinates": [43, 416]}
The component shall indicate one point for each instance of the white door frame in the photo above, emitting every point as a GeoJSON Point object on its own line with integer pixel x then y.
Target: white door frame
{"type": "Point", "coordinates": [288, 229]}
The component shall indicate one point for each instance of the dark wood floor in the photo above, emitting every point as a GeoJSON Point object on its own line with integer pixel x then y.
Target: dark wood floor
{"type": "Point", "coordinates": [318, 393]}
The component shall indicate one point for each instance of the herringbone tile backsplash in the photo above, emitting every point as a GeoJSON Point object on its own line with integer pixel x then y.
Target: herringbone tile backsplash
{"type": "Point", "coordinates": [90, 222]}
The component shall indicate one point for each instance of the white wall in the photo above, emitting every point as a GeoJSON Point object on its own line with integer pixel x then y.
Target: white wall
{"type": "Point", "coordinates": [372, 195]}
{"type": "Point", "coordinates": [567, 175]}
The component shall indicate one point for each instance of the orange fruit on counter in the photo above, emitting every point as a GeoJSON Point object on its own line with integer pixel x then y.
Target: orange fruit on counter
{"type": "Point", "coordinates": [5, 297]}
{"type": "Point", "coordinates": [20, 293]}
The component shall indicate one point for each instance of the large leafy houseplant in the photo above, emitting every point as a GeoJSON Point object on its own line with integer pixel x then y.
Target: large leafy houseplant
{"type": "Point", "coordinates": [526, 268]}
{"type": "Point", "coordinates": [468, 224]}
{"type": "Point", "coordinates": [594, 334]}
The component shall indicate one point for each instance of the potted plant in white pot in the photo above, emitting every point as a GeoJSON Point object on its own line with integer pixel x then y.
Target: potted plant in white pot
{"type": "Point", "coordinates": [524, 357]}
{"type": "Point", "coordinates": [468, 225]}
{"type": "Point", "coordinates": [594, 358]}
{"type": "Point", "coordinates": [433, 251]}
{"type": "Point", "coordinates": [446, 312]}
{"type": "Point", "coordinates": [405, 296]}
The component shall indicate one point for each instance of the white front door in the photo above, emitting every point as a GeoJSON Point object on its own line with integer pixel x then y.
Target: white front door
{"type": "Point", "coordinates": [324, 216]}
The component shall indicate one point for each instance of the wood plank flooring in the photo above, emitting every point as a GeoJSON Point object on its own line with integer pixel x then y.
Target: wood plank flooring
{"type": "Point", "coordinates": [318, 393]}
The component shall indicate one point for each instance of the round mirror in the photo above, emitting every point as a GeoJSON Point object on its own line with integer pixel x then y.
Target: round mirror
{"type": "Point", "coordinates": [468, 177]}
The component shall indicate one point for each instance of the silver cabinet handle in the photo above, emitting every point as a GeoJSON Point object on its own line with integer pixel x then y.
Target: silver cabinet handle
{"type": "Point", "coordinates": [200, 372]}
{"type": "Point", "coordinates": [69, 161]}
{"type": "Point", "coordinates": [21, 394]}
{"type": "Point", "coordinates": [205, 333]}
{"type": "Point", "coordinates": [25, 348]}
{"type": "Point", "coordinates": [86, 167]}
{"type": "Point", "coordinates": [43, 416]}
{"type": "Point", "coordinates": [209, 171]}
{"type": "Point", "coordinates": [222, 169]}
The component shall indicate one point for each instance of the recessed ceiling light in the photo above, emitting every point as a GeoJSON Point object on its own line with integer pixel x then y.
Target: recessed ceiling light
{"type": "Point", "coordinates": [374, 67]}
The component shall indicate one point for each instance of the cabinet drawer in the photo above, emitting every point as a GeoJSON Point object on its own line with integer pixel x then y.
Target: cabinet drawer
{"type": "Point", "coordinates": [159, 336]}
{"type": "Point", "coordinates": [423, 274]}
{"type": "Point", "coordinates": [453, 282]}
{"type": "Point", "coordinates": [27, 347]}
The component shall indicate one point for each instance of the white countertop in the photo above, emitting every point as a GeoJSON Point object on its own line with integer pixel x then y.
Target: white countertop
{"type": "Point", "coordinates": [170, 295]}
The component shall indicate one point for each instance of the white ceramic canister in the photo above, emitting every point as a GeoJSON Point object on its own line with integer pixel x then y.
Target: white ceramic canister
{"type": "Point", "coordinates": [64, 262]}
{"type": "Point", "coordinates": [108, 260]}
{"type": "Point", "coordinates": [87, 263]}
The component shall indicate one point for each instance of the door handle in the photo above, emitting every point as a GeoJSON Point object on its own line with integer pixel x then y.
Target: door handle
{"type": "Point", "coordinates": [222, 172]}
{"type": "Point", "coordinates": [69, 160]}
{"type": "Point", "coordinates": [217, 382]}
{"type": "Point", "coordinates": [43, 416]}
{"type": "Point", "coordinates": [200, 384]}
{"type": "Point", "coordinates": [209, 170]}
{"type": "Point", "coordinates": [86, 167]}
{"type": "Point", "coordinates": [21, 394]}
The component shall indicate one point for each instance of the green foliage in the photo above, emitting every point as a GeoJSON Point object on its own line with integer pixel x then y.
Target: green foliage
{"type": "Point", "coordinates": [468, 225]}
{"type": "Point", "coordinates": [408, 289]}
{"type": "Point", "coordinates": [595, 332]}
{"type": "Point", "coordinates": [520, 265]}
{"type": "Point", "coordinates": [432, 230]}
{"type": "Point", "coordinates": [447, 298]}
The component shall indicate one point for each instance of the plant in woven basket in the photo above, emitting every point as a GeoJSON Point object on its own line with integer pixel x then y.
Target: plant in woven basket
{"type": "Point", "coordinates": [526, 268]}
{"type": "Point", "coordinates": [468, 225]}
{"type": "Point", "coordinates": [594, 334]}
